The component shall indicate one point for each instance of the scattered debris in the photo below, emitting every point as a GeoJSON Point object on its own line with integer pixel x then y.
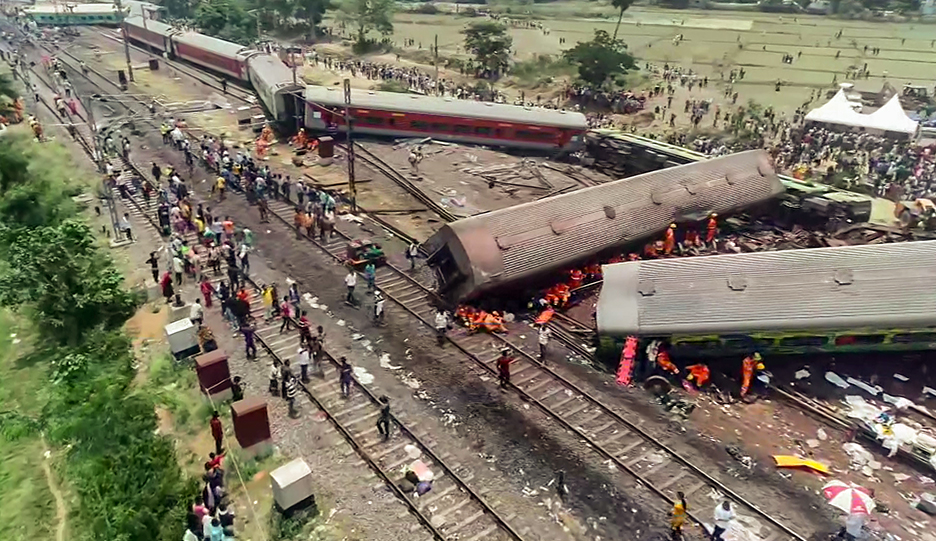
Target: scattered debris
{"type": "Point", "coordinates": [410, 381]}
{"type": "Point", "coordinates": [385, 362]}
{"type": "Point", "coordinates": [735, 452]}
{"type": "Point", "coordinates": [802, 374]}
{"type": "Point", "coordinates": [363, 376]}
{"type": "Point", "coordinates": [835, 379]}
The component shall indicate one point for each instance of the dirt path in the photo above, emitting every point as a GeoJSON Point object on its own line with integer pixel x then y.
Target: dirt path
{"type": "Point", "coordinates": [61, 512]}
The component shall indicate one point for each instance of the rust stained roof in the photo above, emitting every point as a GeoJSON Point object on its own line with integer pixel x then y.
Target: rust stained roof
{"type": "Point", "coordinates": [887, 285]}
{"type": "Point", "coordinates": [553, 233]}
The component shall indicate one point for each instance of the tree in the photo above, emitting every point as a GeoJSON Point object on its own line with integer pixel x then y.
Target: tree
{"type": "Point", "coordinates": [177, 9]}
{"type": "Point", "coordinates": [622, 5]}
{"type": "Point", "coordinates": [490, 44]}
{"type": "Point", "coordinates": [57, 273]}
{"type": "Point", "coordinates": [368, 16]}
{"type": "Point", "coordinates": [226, 19]}
{"type": "Point", "coordinates": [600, 59]}
{"type": "Point", "coordinates": [32, 182]}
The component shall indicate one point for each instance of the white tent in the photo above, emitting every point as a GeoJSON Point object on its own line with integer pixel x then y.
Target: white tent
{"type": "Point", "coordinates": [891, 117]}
{"type": "Point", "coordinates": [838, 110]}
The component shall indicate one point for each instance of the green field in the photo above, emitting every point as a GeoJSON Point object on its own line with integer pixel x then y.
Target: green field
{"type": "Point", "coordinates": [710, 44]}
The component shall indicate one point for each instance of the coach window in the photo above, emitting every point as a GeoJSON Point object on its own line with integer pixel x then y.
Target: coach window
{"type": "Point", "coordinates": [859, 339]}
{"type": "Point", "coordinates": [419, 125]}
{"type": "Point", "coordinates": [482, 130]}
{"type": "Point", "coordinates": [914, 337]}
{"type": "Point", "coordinates": [436, 126]}
{"type": "Point", "coordinates": [373, 120]}
{"type": "Point", "coordinates": [534, 135]}
{"type": "Point", "coordinates": [462, 129]}
{"type": "Point", "coordinates": [391, 121]}
{"type": "Point", "coordinates": [804, 341]}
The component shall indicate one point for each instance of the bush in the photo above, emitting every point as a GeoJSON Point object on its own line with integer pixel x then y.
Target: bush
{"type": "Point", "coordinates": [427, 8]}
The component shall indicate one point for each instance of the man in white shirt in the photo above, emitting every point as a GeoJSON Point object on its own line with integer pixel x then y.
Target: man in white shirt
{"type": "Point", "coordinates": [350, 281]}
{"type": "Point", "coordinates": [177, 268]}
{"type": "Point", "coordinates": [723, 516]}
{"type": "Point", "coordinates": [441, 325]}
{"type": "Point", "coordinates": [543, 340]}
{"type": "Point", "coordinates": [197, 313]}
{"type": "Point", "coordinates": [304, 364]}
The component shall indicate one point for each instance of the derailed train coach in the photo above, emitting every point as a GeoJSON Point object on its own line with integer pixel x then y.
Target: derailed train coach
{"type": "Point", "coordinates": [845, 299]}
{"type": "Point", "coordinates": [515, 247]}
{"type": "Point", "coordinates": [274, 82]}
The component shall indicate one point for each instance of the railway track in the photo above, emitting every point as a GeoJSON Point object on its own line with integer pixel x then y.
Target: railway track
{"type": "Point", "coordinates": [379, 165]}
{"type": "Point", "coordinates": [615, 437]}
{"type": "Point", "coordinates": [453, 509]}
{"type": "Point", "coordinates": [618, 439]}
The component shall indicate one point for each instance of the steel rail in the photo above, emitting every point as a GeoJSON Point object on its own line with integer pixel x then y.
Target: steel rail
{"type": "Point", "coordinates": [388, 171]}
{"type": "Point", "coordinates": [358, 448]}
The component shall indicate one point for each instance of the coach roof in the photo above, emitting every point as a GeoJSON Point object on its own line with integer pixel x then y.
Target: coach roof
{"type": "Point", "coordinates": [214, 45]}
{"type": "Point", "coordinates": [848, 287]}
{"type": "Point", "coordinates": [432, 105]}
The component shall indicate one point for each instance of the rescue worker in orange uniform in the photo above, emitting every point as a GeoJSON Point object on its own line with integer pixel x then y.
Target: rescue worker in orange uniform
{"type": "Point", "coordinates": [748, 365]}
{"type": "Point", "coordinates": [650, 251]}
{"type": "Point", "coordinates": [633, 257]}
{"type": "Point", "coordinates": [663, 360]}
{"type": "Point", "coordinates": [669, 239]}
{"type": "Point", "coordinates": [711, 229]}
{"type": "Point", "coordinates": [576, 277]}
{"type": "Point", "coordinates": [698, 375]}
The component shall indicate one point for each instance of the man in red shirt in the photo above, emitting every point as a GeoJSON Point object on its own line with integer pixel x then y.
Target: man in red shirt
{"type": "Point", "coordinates": [503, 368]}
{"type": "Point", "coordinates": [217, 432]}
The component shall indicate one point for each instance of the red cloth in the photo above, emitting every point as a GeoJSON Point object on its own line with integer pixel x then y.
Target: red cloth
{"type": "Point", "coordinates": [217, 431]}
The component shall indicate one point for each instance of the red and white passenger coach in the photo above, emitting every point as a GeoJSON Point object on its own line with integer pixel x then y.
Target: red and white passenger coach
{"type": "Point", "coordinates": [467, 121]}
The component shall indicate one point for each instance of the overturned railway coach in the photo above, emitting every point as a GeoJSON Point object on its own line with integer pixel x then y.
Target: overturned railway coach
{"type": "Point", "coordinates": [517, 245]}
{"type": "Point", "coordinates": [820, 300]}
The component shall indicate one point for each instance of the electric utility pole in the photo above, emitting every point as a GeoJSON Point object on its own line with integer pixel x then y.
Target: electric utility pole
{"type": "Point", "coordinates": [347, 118]}
{"type": "Point", "coordinates": [126, 39]}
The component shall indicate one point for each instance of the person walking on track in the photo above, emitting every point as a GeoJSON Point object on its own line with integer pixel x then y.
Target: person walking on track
{"type": "Point", "coordinates": [503, 368]}
{"type": "Point", "coordinates": [383, 422]}
{"type": "Point", "coordinates": [345, 377]}
{"type": "Point", "coordinates": [723, 516]}
{"type": "Point", "coordinates": [678, 517]}
{"type": "Point", "coordinates": [350, 281]}
{"type": "Point", "coordinates": [543, 339]}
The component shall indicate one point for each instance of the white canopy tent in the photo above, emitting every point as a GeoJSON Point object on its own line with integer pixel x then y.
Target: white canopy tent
{"type": "Point", "coordinates": [889, 118]}
{"type": "Point", "coordinates": [838, 110]}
